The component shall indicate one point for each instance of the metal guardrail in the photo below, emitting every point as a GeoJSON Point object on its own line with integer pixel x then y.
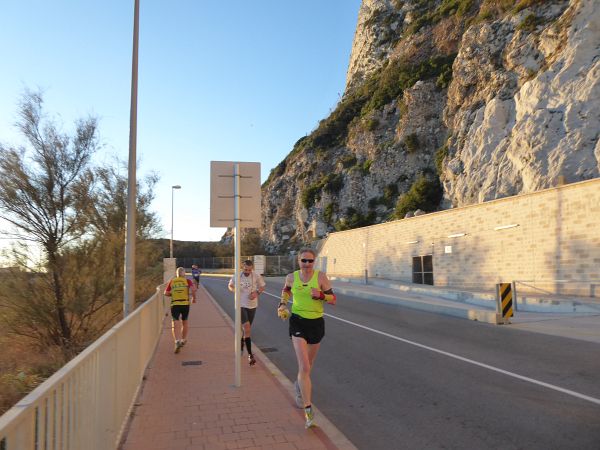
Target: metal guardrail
{"type": "Point", "coordinates": [274, 265]}
{"type": "Point", "coordinates": [550, 287]}
{"type": "Point", "coordinates": [86, 404]}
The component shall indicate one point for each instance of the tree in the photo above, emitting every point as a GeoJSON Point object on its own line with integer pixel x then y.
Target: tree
{"type": "Point", "coordinates": [76, 213]}
{"type": "Point", "coordinates": [43, 188]}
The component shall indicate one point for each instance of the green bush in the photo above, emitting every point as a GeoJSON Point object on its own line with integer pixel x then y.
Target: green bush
{"type": "Point", "coordinates": [522, 4]}
{"type": "Point", "coordinates": [440, 154]}
{"type": "Point", "coordinates": [530, 23]}
{"type": "Point", "coordinates": [354, 219]}
{"type": "Point", "coordinates": [348, 161]}
{"type": "Point", "coordinates": [371, 124]}
{"type": "Point", "coordinates": [328, 212]}
{"type": "Point", "coordinates": [331, 183]}
{"type": "Point", "coordinates": [447, 8]}
{"type": "Point", "coordinates": [310, 195]}
{"type": "Point", "coordinates": [277, 171]}
{"type": "Point", "coordinates": [390, 192]}
{"type": "Point", "coordinates": [444, 78]}
{"type": "Point", "coordinates": [412, 143]}
{"type": "Point", "coordinates": [424, 194]}
{"type": "Point", "coordinates": [397, 76]}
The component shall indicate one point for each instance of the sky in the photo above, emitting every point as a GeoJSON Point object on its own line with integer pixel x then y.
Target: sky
{"type": "Point", "coordinates": [218, 81]}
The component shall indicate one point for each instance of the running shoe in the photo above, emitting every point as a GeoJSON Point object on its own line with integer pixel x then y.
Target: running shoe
{"type": "Point", "coordinates": [177, 347]}
{"type": "Point", "coordinates": [251, 360]}
{"type": "Point", "coordinates": [310, 417]}
{"type": "Point", "coordinates": [183, 342]}
{"type": "Point", "coordinates": [299, 401]}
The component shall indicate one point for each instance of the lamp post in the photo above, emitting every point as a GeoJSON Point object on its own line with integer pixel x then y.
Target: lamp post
{"type": "Point", "coordinates": [172, 191]}
{"type": "Point", "coordinates": [129, 275]}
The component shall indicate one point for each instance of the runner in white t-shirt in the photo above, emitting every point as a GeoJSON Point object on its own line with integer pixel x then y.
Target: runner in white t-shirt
{"type": "Point", "coordinates": [251, 286]}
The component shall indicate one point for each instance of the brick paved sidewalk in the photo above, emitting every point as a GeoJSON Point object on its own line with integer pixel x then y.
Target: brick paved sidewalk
{"type": "Point", "coordinates": [197, 406]}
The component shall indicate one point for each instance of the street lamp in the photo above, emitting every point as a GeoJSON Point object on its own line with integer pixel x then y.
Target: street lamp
{"type": "Point", "coordinates": [172, 191]}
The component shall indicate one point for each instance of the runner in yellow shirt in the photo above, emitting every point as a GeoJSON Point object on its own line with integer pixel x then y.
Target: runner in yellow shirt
{"type": "Point", "coordinates": [180, 289]}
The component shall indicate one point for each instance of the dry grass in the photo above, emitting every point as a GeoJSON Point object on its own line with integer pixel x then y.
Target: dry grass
{"type": "Point", "coordinates": [22, 368]}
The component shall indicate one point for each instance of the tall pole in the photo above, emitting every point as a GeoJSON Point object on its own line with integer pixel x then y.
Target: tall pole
{"type": "Point", "coordinates": [129, 285]}
{"type": "Point", "coordinates": [238, 311]}
{"type": "Point", "coordinates": [172, 196]}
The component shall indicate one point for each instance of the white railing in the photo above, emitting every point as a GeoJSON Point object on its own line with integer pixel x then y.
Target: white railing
{"type": "Point", "coordinates": [86, 404]}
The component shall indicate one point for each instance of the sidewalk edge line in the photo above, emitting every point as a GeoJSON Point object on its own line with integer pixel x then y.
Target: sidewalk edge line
{"type": "Point", "coordinates": [330, 430]}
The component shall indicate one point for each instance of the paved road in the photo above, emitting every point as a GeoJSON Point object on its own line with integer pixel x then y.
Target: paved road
{"type": "Point", "coordinates": [394, 378]}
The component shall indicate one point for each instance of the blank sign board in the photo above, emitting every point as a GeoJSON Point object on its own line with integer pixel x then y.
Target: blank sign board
{"type": "Point", "coordinates": [222, 198]}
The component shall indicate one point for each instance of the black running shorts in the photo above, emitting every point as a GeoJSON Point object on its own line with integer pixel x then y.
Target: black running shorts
{"type": "Point", "coordinates": [180, 310]}
{"type": "Point", "coordinates": [248, 315]}
{"type": "Point", "coordinates": [312, 330]}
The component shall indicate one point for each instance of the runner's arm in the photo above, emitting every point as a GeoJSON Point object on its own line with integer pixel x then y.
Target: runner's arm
{"type": "Point", "coordinates": [168, 289]}
{"type": "Point", "coordinates": [326, 293]}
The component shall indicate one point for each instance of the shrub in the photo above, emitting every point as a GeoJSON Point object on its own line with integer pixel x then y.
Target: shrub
{"type": "Point", "coordinates": [447, 8]}
{"type": "Point", "coordinates": [440, 154]}
{"type": "Point", "coordinates": [530, 23]}
{"type": "Point", "coordinates": [412, 143]}
{"type": "Point", "coordinates": [348, 161]}
{"type": "Point", "coordinates": [390, 192]}
{"type": "Point", "coordinates": [522, 4]}
{"type": "Point", "coordinates": [354, 219]}
{"type": "Point", "coordinates": [331, 183]}
{"type": "Point", "coordinates": [311, 194]}
{"type": "Point", "coordinates": [424, 194]}
{"type": "Point", "coordinates": [328, 212]}
{"type": "Point", "coordinates": [397, 4]}
{"type": "Point", "coordinates": [371, 124]}
{"type": "Point", "coordinates": [397, 76]}
{"type": "Point", "coordinates": [444, 78]}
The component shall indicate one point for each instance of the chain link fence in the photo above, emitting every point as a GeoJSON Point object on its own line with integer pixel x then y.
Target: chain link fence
{"type": "Point", "coordinates": [274, 265]}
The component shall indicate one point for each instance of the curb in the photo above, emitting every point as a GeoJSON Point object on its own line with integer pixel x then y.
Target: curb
{"type": "Point", "coordinates": [478, 315]}
{"type": "Point", "coordinates": [328, 428]}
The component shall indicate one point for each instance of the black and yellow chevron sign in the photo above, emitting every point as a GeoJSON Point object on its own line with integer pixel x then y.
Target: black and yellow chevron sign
{"type": "Point", "coordinates": [506, 299]}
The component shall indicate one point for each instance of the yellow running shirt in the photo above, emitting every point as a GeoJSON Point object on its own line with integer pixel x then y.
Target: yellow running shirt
{"type": "Point", "coordinates": [180, 291]}
{"type": "Point", "coordinates": [304, 305]}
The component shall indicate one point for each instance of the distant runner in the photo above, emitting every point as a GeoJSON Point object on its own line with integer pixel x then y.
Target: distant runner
{"type": "Point", "coordinates": [196, 275]}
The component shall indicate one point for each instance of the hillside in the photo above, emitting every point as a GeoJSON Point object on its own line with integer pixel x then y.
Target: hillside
{"type": "Point", "coordinates": [447, 103]}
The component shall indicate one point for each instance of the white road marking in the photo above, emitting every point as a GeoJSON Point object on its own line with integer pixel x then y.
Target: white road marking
{"type": "Point", "coordinates": [467, 360]}
{"type": "Point", "coordinates": [476, 363]}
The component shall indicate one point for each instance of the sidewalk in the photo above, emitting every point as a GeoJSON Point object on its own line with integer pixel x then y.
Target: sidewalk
{"type": "Point", "coordinates": [552, 318]}
{"type": "Point", "coordinates": [189, 401]}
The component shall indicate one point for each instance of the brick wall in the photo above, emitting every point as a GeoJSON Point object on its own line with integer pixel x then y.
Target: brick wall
{"type": "Point", "coordinates": [554, 248]}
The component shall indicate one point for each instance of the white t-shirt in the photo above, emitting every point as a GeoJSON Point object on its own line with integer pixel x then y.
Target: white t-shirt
{"type": "Point", "coordinates": [248, 284]}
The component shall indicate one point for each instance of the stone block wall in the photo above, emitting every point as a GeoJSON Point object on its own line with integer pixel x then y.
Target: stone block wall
{"type": "Point", "coordinates": [548, 241]}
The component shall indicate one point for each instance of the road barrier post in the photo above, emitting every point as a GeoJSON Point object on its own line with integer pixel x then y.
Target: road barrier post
{"type": "Point", "coordinates": [505, 297]}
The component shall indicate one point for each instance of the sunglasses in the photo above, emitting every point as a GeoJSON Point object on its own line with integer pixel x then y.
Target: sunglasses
{"type": "Point", "coordinates": [307, 260]}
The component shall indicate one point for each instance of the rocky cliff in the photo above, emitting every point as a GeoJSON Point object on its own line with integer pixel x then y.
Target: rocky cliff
{"type": "Point", "coordinates": [447, 103]}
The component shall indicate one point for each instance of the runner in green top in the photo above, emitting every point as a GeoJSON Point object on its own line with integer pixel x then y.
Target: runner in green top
{"type": "Point", "coordinates": [309, 288]}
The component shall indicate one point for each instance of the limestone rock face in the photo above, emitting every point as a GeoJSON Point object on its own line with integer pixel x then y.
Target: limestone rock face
{"type": "Point", "coordinates": [535, 117]}
{"type": "Point", "coordinates": [516, 110]}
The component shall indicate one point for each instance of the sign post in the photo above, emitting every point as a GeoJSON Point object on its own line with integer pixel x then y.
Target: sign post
{"type": "Point", "coordinates": [235, 203]}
